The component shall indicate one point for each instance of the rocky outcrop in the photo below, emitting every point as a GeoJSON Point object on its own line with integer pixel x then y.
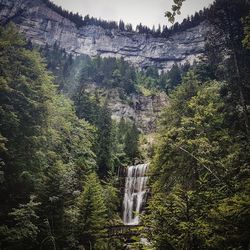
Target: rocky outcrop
{"type": "Point", "coordinates": [144, 111]}
{"type": "Point", "coordinates": [42, 25]}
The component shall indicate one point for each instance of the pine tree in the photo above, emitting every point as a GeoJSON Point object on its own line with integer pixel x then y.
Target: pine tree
{"type": "Point", "coordinates": [46, 150]}
{"type": "Point", "coordinates": [104, 142]}
{"type": "Point", "coordinates": [131, 142]}
{"type": "Point", "coordinates": [26, 89]}
{"type": "Point", "coordinates": [92, 213]}
{"type": "Point", "coordinates": [226, 17]}
{"type": "Point", "coordinates": [194, 174]}
{"type": "Point", "coordinates": [174, 77]}
{"type": "Point", "coordinates": [24, 231]}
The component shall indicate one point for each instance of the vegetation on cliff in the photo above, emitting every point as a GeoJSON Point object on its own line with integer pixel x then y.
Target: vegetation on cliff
{"type": "Point", "coordinates": [164, 31]}
{"type": "Point", "coordinates": [200, 173]}
{"type": "Point", "coordinates": [60, 149]}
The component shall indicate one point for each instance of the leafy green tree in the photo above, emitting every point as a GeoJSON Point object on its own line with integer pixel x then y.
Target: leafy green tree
{"type": "Point", "coordinates": [176, 7]}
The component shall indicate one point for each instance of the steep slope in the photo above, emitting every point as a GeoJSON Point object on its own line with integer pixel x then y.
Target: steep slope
{"type": "Point", "coordinates": [142, 110]}
{"type": "Point", "coordinates": [43, 25]}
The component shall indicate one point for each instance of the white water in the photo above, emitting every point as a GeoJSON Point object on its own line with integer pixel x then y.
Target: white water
{"type": "Point", "coordinates": [135, 193]}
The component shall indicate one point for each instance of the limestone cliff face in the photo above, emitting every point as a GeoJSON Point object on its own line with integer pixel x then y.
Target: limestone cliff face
{"type": "Point", "coordinates": [143, 110]}
{"type": "Point", "coordinates": [42, 25]}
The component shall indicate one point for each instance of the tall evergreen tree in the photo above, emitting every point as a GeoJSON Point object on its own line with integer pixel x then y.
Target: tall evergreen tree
{"type": "Point", "coordinates": [45, 149]}
{"type": "Point", "coordinates": [194, 175]}
{"type": "Point", "coordinates": [92, 214]}
{"type": "Point", "coordinates": [104, 142]}
{"type": "Point", "coordinates": [131, 142]}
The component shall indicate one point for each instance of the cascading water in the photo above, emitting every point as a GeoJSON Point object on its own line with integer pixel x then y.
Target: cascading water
{"type": "Point", "coordinates": [135, 193]}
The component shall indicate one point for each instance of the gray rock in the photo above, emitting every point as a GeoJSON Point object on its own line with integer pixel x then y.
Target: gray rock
{"type": "Point", "coordinates": [144, 111]}
{"type": "Point", "coordinates": [42, 25]}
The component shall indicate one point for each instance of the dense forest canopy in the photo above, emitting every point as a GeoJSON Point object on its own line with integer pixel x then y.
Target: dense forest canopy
{"type": "Point", "coordinates": [61, 151]}
{"type": "Point", "coordinates": [200, 184]}
{"type": "Point", "coordinates": [51, 151]}
{"type": "Point", "coordinates": [75, 72]}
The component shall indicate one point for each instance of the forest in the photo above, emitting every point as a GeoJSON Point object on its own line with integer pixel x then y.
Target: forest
{"type": "Point", "coordinates": [61, 151]}
{"type": "Point", "coordinates": [72, 73]}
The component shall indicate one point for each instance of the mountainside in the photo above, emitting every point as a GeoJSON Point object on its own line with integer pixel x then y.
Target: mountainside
{"type": "Point", "coordinates": [43, 25]}
{"type": "Point", "coordinates": [142, 110]}
{"type": "Point", "coordinates": [83, 164]}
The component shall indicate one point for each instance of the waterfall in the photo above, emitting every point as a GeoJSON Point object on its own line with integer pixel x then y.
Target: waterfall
{"type": "Point", "coordinates": [135, 193]}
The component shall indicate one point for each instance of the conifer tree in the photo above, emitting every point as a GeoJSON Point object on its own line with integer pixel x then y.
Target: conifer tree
{"type": "Point", "coordinates": [104, 148]}
{"type": "Point", "coordinates": [92, 213]}
{"type": "Point", "coordinates": [131, 142]}
{"type": "Point", "coordinates": [46, 150]}
{"type": "Point", "coordinates": [194, 174]}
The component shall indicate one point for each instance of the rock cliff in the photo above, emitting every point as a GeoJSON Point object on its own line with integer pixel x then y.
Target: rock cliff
{"type": "Point", "coordinates": [43, 25]}
{"type": "Point", "coordinates": [143, 110]}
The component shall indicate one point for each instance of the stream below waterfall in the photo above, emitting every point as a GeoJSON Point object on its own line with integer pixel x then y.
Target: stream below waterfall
{"type": "Point", "coordinates": [135, 193]}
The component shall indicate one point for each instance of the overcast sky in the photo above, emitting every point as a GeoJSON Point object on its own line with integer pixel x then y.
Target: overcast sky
{"type": "Point", "coordinates": [147, 12]}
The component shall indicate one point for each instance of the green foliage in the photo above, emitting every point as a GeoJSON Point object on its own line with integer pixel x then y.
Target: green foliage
{"type": "Point", "coordinates": [198, 198]}
{"type": "Point", "coordinates": [176, 7]}
{"type": "Point", "coordinates": [112, 200]}
{"type": "Point", "coordinates": [110, 72]}
{"type": "Point", "coordinates": [26, 90]}
{"type": "Point", "coordinates": [230, 33]}
{"type": "Point", "coordinates": [25, 229]}
{"type": "Point", "coordinates": [98, 115]}
{"type": "Point", "coordinates": [174, 77]}
{"type": "Point", "coordinates": [106, 74]}
{"type": "Point", "coordinates": [63, 66]}
{"type": "Point", "coordinates": [116, 144]}
{"type": "Point", "coordinates": [131, 142]}
{"type": "Point", "coordinates": [51, 152]}
{"type": "Point", "coordinates": [47, 152]}
{"type": "Point", "coordinates": [104, 141]}
{"type": "Point", "coordinates": [127, 142]}
{"type": "Point", "coordinates": [246, 40]}
{"type": "Point", "coordinates": [200, 182]}
{"type": "Point", "coordinates": [74, 74]}
{"type": "Point", "coordinates": [92, 213]}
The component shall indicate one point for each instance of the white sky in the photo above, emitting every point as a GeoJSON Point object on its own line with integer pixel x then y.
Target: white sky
{"type": "Point", "coordinates": [147, 12]}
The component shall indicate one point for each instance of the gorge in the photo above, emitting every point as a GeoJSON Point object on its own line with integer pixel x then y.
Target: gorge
{"type": "Point", "coordinates": [44, 26]}
{"type": "Point", "coordinates": [114, 138]}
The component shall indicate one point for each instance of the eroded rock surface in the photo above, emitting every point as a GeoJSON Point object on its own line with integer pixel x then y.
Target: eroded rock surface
{"type": "Point", "coordinates": [43, 25]}
{"type": "Point", "coordinates": [143, 110]}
